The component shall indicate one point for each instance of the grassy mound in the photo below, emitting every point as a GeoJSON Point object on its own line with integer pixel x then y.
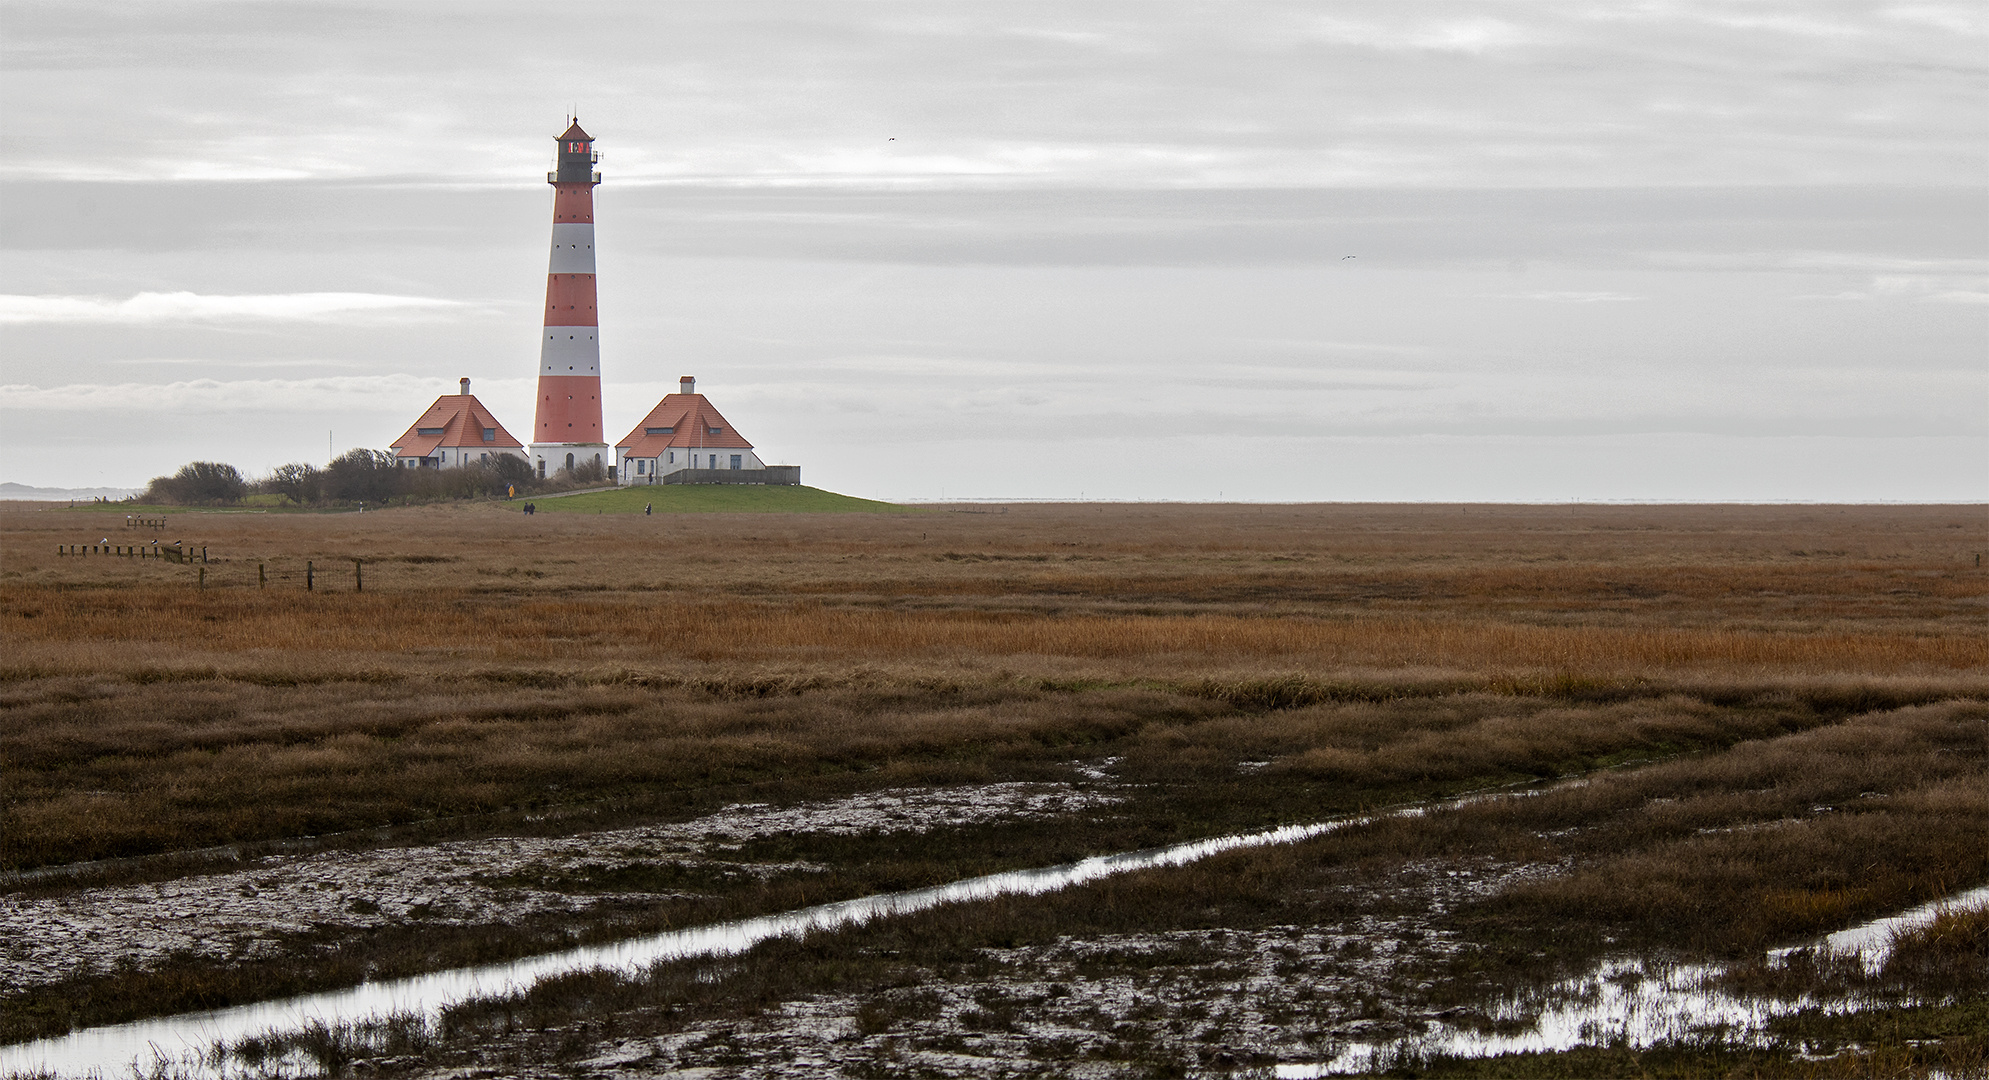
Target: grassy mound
{"type": "Point", "coordinates": [713, 498]}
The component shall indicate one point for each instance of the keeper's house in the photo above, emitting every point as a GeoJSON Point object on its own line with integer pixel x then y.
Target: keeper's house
{"type": "Point", "coordinates": [456, 430]}
{"type": "Point", "coordinates": [684, 440]}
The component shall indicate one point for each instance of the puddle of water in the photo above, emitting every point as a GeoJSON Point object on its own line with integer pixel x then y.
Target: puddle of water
{"type": "Point", "coordinates": [1872, 942]}
{"type": "Point", "coordinates": [1639, 1003]}
{"type": "Point", "coordinates": [1623, 1000]}
{"type": "Point", "coordinates": [182, 1038]}
{"type": "Point", "coordinates": [239, 911]}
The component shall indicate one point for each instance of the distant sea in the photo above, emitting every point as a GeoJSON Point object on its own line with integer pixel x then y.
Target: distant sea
{"type": "Point", "coordinates": [11, 490]}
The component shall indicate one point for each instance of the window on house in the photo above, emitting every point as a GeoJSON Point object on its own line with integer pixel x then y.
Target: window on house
{"type": "Point", "coordinates": [659, 431]}
{"type": "Point", "coordinates": [490, 434]}
{"type": "Point", "coordinates": [639, 470]}
{"type": "Point", "coordinates": [428, 431]}
{"type": "Point", "coordinates": [716, 430]}
{"type": "Point", "coordinates": [736, 458]}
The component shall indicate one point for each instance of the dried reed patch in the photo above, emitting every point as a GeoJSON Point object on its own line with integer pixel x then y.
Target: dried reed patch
{"type": "Point", "coordinates": [459, 623]}
{"type": "Point", "coordinates": [1775, 840]}
{"type": "Point", "coordinates": [1951, 953]}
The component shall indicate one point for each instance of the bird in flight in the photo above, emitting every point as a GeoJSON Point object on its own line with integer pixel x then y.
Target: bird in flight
{"type": "Point", "coordinates": [1344, 258]}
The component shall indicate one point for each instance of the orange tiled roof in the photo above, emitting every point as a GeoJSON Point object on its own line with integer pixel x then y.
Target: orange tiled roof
{"type": "Point", "coordinates": [462, 419]}
{"type": "Point", "coordinates": [690, 419]}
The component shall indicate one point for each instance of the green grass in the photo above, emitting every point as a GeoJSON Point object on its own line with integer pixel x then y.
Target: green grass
{"type": "Point", "coordinates": [714, 498]}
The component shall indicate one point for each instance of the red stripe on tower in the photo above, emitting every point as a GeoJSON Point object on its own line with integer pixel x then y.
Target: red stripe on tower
{"type": "Point", "coordinates": [566, 430]}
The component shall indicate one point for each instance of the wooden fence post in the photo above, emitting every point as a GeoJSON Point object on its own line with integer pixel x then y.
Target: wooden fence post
{"type": "Point", "coordinates": [307, 576]}
{"type": "Point", "coordinates": [203, 577]}
{"type": "Point", "coordinates": [262, 579]}
{"type": "Point", "coordinates": [358, 577]}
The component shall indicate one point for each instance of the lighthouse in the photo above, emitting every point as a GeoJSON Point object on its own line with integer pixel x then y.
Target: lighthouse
{"type": "Point", "coordinates": [566, 429]}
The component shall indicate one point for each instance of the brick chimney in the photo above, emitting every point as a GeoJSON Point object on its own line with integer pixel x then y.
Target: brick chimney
{"type": "Point", "coordinates": [687, 385]}
{"type": "Point", "coordinates": [466, 388]}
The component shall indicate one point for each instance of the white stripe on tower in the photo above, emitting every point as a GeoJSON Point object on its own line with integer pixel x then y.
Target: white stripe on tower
{"type": "Point", "coordinates": [570, 350]}
{"type": "Point", "coordinates": [573, 247]}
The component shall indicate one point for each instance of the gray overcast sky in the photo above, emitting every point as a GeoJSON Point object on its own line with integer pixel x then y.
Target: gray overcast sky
{"type": "Point", "coordinates": [1601, 250]}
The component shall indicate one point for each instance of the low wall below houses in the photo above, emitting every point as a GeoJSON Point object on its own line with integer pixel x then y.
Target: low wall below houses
{"type": "Point", "coordinates": [772, 474]}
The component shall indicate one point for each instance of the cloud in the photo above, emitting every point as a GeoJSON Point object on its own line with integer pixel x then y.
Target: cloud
{"type": "Point", "coordinates": [1476, 35]}
{"type": "Point", "coordinates": [1833, 261]}
{"type": "Point", "coordinates": [1930, 289]}
{"type": "Point", "coordinates": [1160, 94]}
{"type": "Point", "coordinates": [404, 393]}
{"type": "Point", "coordinates": [1571, 297]}
{"type": "Point", "coordinates": [1964, 19]}
{"type": "Point", "coordinates": [216, 362]}
{"type": "Point", "coordinates": [159, 307]}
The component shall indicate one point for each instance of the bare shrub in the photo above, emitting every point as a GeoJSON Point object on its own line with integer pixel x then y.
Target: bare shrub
{"type": "Point", "coordinates": [199, 483]}
{"type": "Point", "coordinates": [589, 471]}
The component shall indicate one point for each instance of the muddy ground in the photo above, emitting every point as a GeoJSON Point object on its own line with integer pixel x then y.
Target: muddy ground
{"type": "Point", "coordinates": [295, 902]}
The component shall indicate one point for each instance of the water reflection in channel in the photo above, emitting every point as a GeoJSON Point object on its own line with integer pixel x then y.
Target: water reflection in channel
{"type": "Point", "coordinates": [1626, 1000]}
{"type": "Point", "coordinates": [1641, 1003]}
{"type": "Point", "coordinates": [181, 1038]}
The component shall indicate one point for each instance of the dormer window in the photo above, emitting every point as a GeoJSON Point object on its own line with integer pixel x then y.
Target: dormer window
{"type": "Point", "coordinates": [659, 431]}
{"type": "Point", "coordinates": [490, 434]}
{"type": "Point", "coordinates": [429, 431]}
{"type": "Point", "coordinates": [715, 431]}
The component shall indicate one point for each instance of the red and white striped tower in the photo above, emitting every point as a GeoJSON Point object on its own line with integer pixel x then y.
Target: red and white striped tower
{"type": "Point", "coordinates": [566, 432]}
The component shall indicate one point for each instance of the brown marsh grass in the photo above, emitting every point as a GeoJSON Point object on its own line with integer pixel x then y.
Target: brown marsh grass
{"type": "Point", "coordinates": [498, 661]}
{"type": "Point", "coordinates": [455, 623]}
{"type": "Point", "coordinates": [1771, 660]}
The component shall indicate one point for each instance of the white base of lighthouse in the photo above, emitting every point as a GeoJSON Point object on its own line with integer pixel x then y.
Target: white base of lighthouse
{"type": "Point", "coordinates": [549, 458]}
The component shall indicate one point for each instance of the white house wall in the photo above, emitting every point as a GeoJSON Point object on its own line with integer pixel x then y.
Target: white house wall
{"type": "Point", "coordinates": [550, 458]}
{"type": "Point", "coordinates": [449, 457]}
{"type": "Point", "coordinates": [625, 466]}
